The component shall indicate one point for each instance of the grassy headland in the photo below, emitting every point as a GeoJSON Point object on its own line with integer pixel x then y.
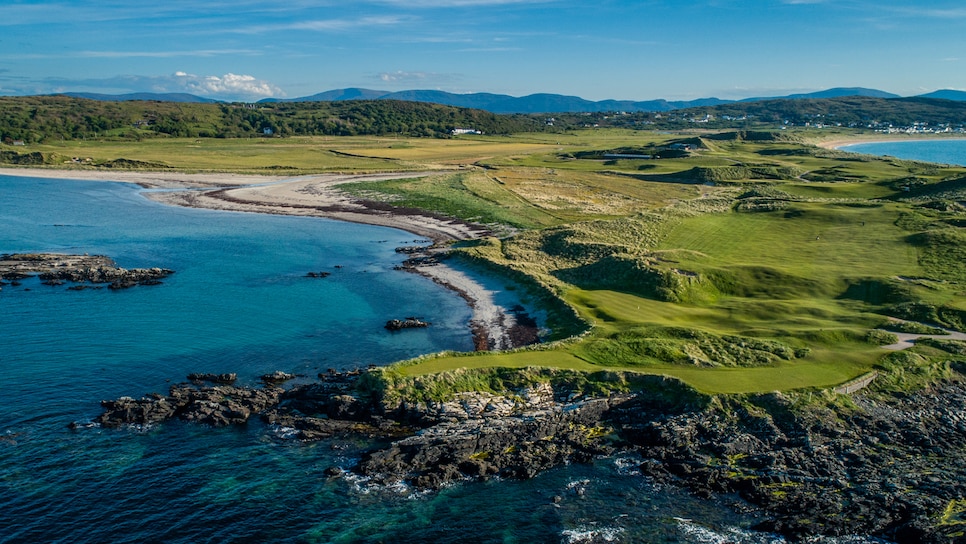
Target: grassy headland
{"type": "Point", "coordinates": [736, 262]}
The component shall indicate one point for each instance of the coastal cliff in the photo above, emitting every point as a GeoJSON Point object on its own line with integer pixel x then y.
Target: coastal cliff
{"type": "Point", "coordinates": [882, 464]}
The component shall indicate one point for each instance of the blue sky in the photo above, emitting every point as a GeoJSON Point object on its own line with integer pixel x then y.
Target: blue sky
{"type": "Point", "coordinates": [641, 50]}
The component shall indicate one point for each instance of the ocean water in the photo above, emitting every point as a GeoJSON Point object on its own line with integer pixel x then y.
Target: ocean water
{"type": "Point", "coordinates": [938, 151]}
{"type": "Point", "coordinates": [239, 302]}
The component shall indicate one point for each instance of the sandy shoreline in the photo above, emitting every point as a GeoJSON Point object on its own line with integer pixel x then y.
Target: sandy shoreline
{"type": "Point", "coordinates": [882, 138]}
{"type": "Point", "coordinates": [317, 195]}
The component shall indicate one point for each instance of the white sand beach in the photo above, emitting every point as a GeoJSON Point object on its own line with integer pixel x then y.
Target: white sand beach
{"type": "Point", "coordinates": [317, 195]}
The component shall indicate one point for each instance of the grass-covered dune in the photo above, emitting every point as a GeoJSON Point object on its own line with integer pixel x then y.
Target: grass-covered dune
{"type": "Point", "coordinates": [737, 262]}
{"type": "Point", "coordinates": [762, 280]}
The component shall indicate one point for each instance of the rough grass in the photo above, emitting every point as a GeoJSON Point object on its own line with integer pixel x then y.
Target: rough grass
{"type": "Point", "coordinates": [942, 253]}
{"type": "Point", "coordinates": [738, 289]}
{"type": "Point", "coordinates": [462, 195]}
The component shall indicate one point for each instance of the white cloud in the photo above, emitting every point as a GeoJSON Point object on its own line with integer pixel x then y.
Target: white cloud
{"type": "Point", "coordinates": [345, 24]}
{"type": "Point", "coordinates": [327, 25]}
{"type": "Point", "coordinates": [399, 76]}
{"type": "Point", "coordinates": [228, 85]}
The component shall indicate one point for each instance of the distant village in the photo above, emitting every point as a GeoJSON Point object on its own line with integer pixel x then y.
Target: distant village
{"type": "Point", "coordinates": [816, 121]}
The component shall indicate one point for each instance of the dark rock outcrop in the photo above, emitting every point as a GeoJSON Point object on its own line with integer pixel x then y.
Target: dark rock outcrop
{"type": "Point", "coordinates": [888, 466]}
{"type": "Point", "coordinates": [216, 406]}
{"type": "Point", "coordinates": [118, 278]}
{"type": "Point", "coordinates": [56, 269]}
{"type": "Point", "coordinates": [223, 379]}
{"type": "Point", "coordinates": [504, 438]}
{"type": "Point", "coordinates": [888, 469]}
{"type": "Point", "coordinates": [408, 323]}
{"type": "Point", "coordinates": [277, 377]}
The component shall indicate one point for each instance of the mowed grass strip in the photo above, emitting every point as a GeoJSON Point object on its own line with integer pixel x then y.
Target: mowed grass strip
{"type": "Point", "coordinates": [826, 370]}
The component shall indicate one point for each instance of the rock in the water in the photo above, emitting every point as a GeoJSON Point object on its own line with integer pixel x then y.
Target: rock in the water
{"type": "Point", "coordinates": [408, 323]}
{"type": "Point", "coordinates": [224, 379]}
{"type": "Point", "coordinates": [216, 406]}
{"type": "Point", "coordinates": [56, 268]}
{"type": "Point", "coordinates": [277, 377]}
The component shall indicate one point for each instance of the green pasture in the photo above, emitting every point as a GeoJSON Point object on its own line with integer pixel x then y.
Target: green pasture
{"type": "Point", "coordinates": [243, 155]}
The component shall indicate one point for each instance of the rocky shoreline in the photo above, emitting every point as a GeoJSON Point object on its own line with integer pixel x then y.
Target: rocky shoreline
{"type": "Point", "coordinates": [58, 269]}
{"type": "Point", "coordinates": [887, 465]}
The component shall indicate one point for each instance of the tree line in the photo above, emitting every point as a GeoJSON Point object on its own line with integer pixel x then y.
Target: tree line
{"type": "Point", "coordinates": [38, 119]}
{"type": "Point", "coordinates": [44, 118]}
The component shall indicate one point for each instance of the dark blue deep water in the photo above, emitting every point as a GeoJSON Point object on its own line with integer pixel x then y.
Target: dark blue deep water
{"type": "Point", "coordinates": [238, 302]}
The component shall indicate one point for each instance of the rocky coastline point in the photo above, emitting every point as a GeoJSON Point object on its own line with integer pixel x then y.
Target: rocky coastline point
{"type": "Point", "coordinates": [890, 465]}
{"type": "Point", "coordinates": [84, 270]}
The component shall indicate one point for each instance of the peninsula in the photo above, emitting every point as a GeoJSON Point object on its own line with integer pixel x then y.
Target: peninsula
{"type": "Point", "coordinates": [718, 303]}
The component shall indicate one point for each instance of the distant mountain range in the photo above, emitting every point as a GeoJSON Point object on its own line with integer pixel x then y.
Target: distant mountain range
{"type": "Point", "coordinates": [959, 96]}
{"type": "Point", "coordinates": [160, 97]}
{"type": "Point", "coordinates": [534, 103]}
{"type": "Point", "coordinates": [837, 92]}
{"type": "Point", "coordinates": [501, 103]}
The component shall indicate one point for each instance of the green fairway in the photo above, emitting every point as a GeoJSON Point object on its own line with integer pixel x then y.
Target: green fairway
{"type": "Point", "coordinates": [816, 240]}
{"type": "Point", "coordinates": [759, 285]}
{"type": "Point", "coordinates": [827, 370]}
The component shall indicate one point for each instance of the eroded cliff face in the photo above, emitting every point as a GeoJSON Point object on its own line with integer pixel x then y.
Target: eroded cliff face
{"type": "Point", "coordinates": [887, 465]}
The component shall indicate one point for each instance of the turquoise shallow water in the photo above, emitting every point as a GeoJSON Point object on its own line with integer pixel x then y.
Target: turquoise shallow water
{"type": "Point", "coordinates": [238, 302]}
{"type": "Point", "coordinates": [939, 151]}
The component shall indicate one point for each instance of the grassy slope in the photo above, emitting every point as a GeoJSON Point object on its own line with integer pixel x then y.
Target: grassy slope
{"type": "Point", "coordinates": [779, 275]}
{"type": "Point", "coordinates": [670, 277]}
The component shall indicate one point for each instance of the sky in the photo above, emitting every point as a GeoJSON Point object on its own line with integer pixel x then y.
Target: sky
{"type": "Point", "coordinates": [606, 49]}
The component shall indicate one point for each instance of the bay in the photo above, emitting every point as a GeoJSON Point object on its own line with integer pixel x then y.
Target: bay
{"type": "Point", "coordinates": [950, 151]}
